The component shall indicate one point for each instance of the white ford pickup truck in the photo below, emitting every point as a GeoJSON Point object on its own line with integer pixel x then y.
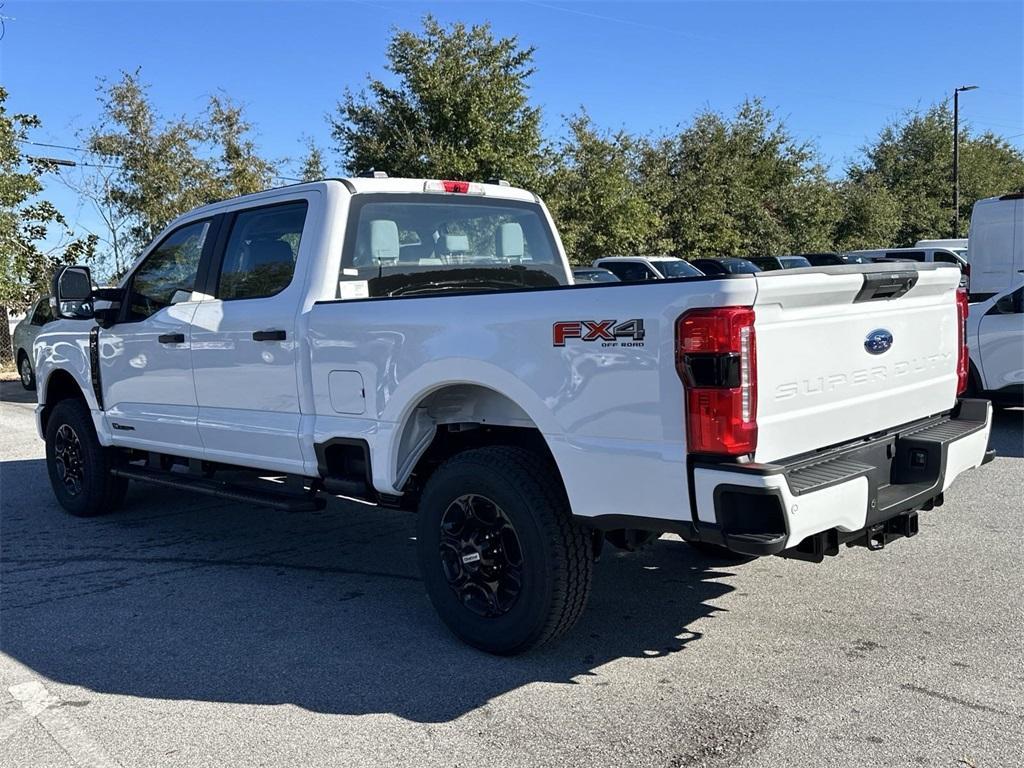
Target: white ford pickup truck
{"type": "Point", "coordinates": [420, 344]}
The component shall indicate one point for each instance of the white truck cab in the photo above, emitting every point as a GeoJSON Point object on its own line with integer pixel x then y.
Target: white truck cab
{"type": "Point", "coordinates": [420, 344]}
{"type": "Point", "coordinates": [632, 269]}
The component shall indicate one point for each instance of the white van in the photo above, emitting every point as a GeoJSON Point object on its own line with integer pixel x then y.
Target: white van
{"type": "Point", "coordinates": [997, 245]}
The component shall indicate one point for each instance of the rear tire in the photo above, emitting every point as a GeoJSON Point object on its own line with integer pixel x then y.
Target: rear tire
{"type": "Point", "coordinates": [79, 467]}
{"type": "Point", "coordinates": [504, 564]}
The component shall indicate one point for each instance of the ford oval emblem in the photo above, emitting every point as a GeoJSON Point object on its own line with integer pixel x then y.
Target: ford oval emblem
{"type": "Point", "coordinates": [878, 341]}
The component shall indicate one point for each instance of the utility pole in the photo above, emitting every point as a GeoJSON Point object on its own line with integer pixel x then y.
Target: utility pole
{"type": "Point", "coordinates": [956, 156]}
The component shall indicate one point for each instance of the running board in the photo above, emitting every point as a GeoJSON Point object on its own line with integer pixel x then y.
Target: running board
{"type": "Point", "coordinates": [290, 502]}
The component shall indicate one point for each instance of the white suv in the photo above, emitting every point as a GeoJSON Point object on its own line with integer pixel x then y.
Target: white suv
{"type": "Point", "coordinates": [995, 337]}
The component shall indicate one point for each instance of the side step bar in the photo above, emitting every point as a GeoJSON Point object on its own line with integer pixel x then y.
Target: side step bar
{"type": "Point", "coordinates": [290, 502]}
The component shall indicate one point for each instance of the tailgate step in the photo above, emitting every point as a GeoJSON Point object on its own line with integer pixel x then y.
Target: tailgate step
{"type": "Point", "coordinates": [945, 431]}
{"type": "Point", "coordinates": [831, 472]}
{"type": "Point", "coordinates": [290, 502]}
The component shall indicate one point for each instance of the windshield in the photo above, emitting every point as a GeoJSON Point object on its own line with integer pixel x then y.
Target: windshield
{"type": "Point", "coordinates": [424, 243]}
{"type": "Point", "coordinates": [795, 262]}
{"type": "Point", "coordinates": [677, 268]}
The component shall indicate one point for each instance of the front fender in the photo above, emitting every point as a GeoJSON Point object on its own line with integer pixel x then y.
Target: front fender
{"type": "Point", "coordinates": [63, 349]}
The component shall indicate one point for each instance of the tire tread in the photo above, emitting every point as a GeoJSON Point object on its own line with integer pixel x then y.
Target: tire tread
{"type": "Point", "coordinates": [543, 491]}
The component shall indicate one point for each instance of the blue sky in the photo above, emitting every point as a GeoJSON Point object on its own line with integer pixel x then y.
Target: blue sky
{"type": "Point", "coordinates": [835, 71]}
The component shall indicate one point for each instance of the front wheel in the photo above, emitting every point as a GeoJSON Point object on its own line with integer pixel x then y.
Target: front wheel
{"type": "Point", "coordinates": [79, 467]}
{"type": "Point", "coordinates": [504, 564]}
{"type": "Point", "coordinates": [25, 372]}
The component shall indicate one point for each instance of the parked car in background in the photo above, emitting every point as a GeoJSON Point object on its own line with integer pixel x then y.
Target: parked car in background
{"type": "Point", "coordinates": [768, 263]}
{"type": "Point", "coordinates": [593, 275]}
{"type": "Point", "coordinates": [24, 334]}
{"type": "Point", "coordinates": [725, 266]}
{"type": "Point", "coordinates": [997, 245]}
{"type": "Point", "coordinates": [925, 255]}
{"type": "Point", "coordinates": [830, 259]}
{"type": "Point", "coordinates": [632, 269]}
{"type": "Point", "coordinates": [957, 245]}
{"type": "Point", "coordinates": [995, 338]}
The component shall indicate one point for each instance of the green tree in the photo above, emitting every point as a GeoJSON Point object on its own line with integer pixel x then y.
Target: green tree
{"type": "Point", "coordinates": [239, 168]}
{"type": "Point", "coordinates": [740, 186]}
{"type": "Point", "coordinates": [869, 215]}
{"type": "Point", "coordinates": [596, 196]}
{"type": "Point", "coordinates": [158, 169]}
{"type": "Point", "coordinates": [913, 158]}
{"type": "Point", "coordinates": [161, 173]}
{"type": "Point", "coordinates": [25, 221]}
{"type": "Point", "coordinates": [459, 110]}
{"type": "Point", "coordinates": [313, 166]}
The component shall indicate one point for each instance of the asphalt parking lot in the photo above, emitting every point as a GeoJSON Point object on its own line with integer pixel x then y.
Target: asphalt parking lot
{"type": "Point", "coordinates": [186, 631]}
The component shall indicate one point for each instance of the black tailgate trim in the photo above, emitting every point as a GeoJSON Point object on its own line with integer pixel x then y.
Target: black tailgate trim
{"type": "Point", "coordinates": [886, 285]}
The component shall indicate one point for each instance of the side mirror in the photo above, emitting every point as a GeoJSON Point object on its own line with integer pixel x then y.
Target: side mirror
{"type": "Point", "coordinates": [72, 293]}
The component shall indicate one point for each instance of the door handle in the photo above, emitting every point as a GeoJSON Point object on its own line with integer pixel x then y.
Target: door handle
{"type": "Point", "coordinates": [269, 335]}
{"type": "Point", "coordinates": [171, 338]}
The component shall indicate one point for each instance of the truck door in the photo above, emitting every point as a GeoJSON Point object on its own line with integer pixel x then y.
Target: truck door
{"type": "Point", "coordinates": [1001, 342]}
{"type": "Point", "coordinates": [145, 359]}
{"type": "Point", "coordinates": [244, 340]}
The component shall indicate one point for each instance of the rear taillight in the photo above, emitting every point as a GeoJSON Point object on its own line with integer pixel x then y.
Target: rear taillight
{"type": "Point", "coordinates": [963, 360]}
{"type": "Point", "coordinates": [717, 363]}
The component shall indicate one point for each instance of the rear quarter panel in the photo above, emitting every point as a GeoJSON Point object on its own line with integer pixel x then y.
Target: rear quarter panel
{"type": "Point", "coordinates": [611, 412]}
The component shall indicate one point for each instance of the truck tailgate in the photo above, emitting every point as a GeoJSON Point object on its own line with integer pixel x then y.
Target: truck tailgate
{"type": "Point", "coordinates": [846, 352]}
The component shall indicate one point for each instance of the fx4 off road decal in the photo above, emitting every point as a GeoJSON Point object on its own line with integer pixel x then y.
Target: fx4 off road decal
{"type": "Point", "coordinates": [611, 333]}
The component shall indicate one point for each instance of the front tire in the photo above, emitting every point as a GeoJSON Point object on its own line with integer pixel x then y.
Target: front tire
{"type": "Point", "coordinates": [25, 372]}
{"type": "Point", "coordinates": [504, 564]}
{"type": "Point", "coordinates": [79, 467]}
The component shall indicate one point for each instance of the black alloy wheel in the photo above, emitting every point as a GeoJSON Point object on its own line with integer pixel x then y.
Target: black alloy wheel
{"type": "Point", "coordinates": [481, 555]}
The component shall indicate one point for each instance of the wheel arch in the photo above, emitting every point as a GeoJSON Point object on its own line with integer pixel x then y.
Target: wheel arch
{"type": "Point", "coordinates": [454, 415]}
{"type": "Point", "coordinates": [59, 385]}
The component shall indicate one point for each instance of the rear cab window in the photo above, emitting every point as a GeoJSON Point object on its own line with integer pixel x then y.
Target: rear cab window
{"type": "Point", "coordinates": [417, 244]}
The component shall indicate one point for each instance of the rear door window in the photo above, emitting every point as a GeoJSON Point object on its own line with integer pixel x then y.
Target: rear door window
{"type": "Point", "coordinates": [259, 259]}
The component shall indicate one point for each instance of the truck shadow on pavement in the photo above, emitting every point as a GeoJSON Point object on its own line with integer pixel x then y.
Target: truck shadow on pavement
{"type": "Point", "coordinates": [1008, 432]}
{"type": "Point", "coordinates": [186, 597]}
{"type": "Point", "coordinates": [13, 392]}
{"type": "Point", "coordinates": [189, 598]}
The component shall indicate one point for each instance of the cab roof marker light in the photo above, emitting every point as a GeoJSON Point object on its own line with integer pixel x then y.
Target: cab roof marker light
{"type": "Point", "coordinates": [453, 187]}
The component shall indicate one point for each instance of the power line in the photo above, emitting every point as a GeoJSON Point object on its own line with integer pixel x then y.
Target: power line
{"type": "Point", "coordinates": [69, 163]}
{"type": "Point", "coordinates": [54, 146]}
